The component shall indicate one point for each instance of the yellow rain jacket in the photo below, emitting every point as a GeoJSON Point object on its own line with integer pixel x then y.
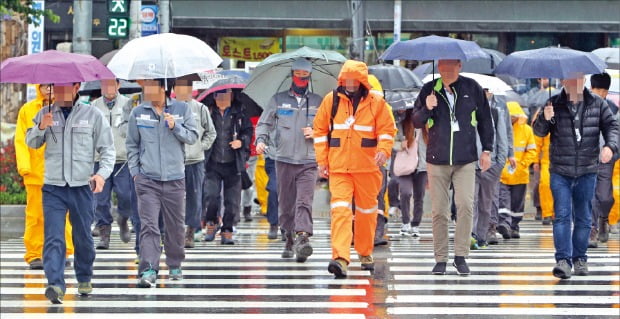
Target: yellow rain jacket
{"type": "Point", "coordinates": [524, 148]}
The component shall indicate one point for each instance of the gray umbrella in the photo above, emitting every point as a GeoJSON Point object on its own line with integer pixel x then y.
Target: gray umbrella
{"type": "Point", "coordinates": [393, 77]}
{"type": "Point", "coordinates": [611, 56]}
{"type": "Point", "coordinates": [401, 99]}
{"type": "Point", "coordinates": [540, 97]}
{"type": "Point", "coordinates": [94, 87]}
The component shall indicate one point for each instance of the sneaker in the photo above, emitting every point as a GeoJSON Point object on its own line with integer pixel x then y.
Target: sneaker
{"type": "Point", "coordinates": [581, 267]}
{"type": "Point", "coordinates": [546, 221]}
{"type": "Point", "coordinates": [227, 238]}
{"type": "Point", "coordinates": [368, 263]}
{"type": "Point", "coordinates": [124, 233]}
{"type": "Point", "coordinates": [562, 269]}
{"type": "Point", "coordinates": [54, 294]}
{"type": "Point", "coordinates": [415, 231]}
{"type": "Point", "coordinates": [405, 230]}
{"type": "Point", "coordinates": [439, 269]}
{"type": "Point", "coordinates": [147, 279]}
{"type": "Point", "coordinates": [461, 266]}
{"type": "Point", "coordinates": [175, 274]}
{"type": "Point", "coordinates": [36, 264]}
{"type": "Point", "coordinates": [211, 230]}
{"type": "Point", "coordinates": [289, 239]}
{"type": "Point", "coordinates": [593, 241]}
{"type": "Point", "coordinates": [514, 233]}
{"type": "Point", "coordinates": [473, 243]}
{"type": "Point", "coordinates": [85, 288]}
{"type": "Point", "coordinates": [338, 267]}
{"type": "Point", "coordinates": [273, 232]}
{"type": "Point", "coordinates": [614, 229]}
{"type": "Point", "coordinates": [504, 231]}
{"type": "Point", "coordinates": [393, 211]}
{"type": "Point", "coordinates": [482, 244]}
{"type": "Point", "coordinates": [492, 237]}
{"type": "Point", "coordinates": [189, 237]}
{"type": "Point", "coordinates": [302, 247]}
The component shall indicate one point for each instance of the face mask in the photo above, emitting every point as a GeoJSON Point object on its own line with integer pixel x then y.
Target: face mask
{"type": "Point", "coordinates": [301, 82]}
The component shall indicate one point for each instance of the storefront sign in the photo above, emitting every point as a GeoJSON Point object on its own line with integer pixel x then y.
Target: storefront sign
{"type": "Point", "coordinates": [35, 41]}
{"type": "Point", "coordinates": [150, 23]}
{"type": "Point", "coordinates": [248, 49]}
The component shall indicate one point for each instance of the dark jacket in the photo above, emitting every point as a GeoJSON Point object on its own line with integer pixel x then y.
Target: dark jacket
{"type": "Point", "coordinates": [568, 156]}
{"type": "Point", "coordinates": [472, 113]}
{"type": "Point", "coordinates": [242, 127]}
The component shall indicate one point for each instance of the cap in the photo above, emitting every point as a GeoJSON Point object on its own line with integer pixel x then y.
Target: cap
{"type": "Point", "coordinates": [302, 64]}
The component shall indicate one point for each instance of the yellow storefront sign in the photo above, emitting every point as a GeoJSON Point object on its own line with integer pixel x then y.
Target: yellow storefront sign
{"type": "Point", "coordinates": [248, 49]}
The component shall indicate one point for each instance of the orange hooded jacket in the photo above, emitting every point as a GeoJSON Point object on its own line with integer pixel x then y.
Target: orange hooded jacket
{"type": "Point", "coordinates": [355, 138]}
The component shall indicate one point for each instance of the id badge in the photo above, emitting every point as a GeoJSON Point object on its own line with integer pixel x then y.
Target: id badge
{"type": "Point", "coordinates": [455, 126]}
{"type": "Point", "coordinates": [350, 120]}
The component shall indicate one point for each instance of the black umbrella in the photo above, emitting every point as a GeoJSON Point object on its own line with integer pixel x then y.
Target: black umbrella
{"type": "Point", "coordinates": [393, 77]}
{"type": "Point", "coordinates": [94, 88]}
{"type": "Point", "coordinates": [236, 84]}
{"type": "Point", "coordinates": [401, 99]}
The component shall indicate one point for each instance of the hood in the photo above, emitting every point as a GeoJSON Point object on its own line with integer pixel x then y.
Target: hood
{"type": "Point", "coordinates": [515, 110]}
{"type": "Point", "coordinates": [375, 85]}
{"type": "Point", "coordinates": [358, 69]}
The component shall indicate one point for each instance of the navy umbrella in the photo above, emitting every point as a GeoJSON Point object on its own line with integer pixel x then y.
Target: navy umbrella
{"type": "Point", "coordinates": [433, 47]}
{"type": "Point", "coordinates": [393, 77]}
{"type": "Point", "coordinates": [485, 65]}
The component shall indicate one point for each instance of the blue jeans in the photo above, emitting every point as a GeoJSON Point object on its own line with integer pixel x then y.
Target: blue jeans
{"type": "Point", "coordinates": [572, 203]}
{"type": "Point", "coordinates": [79, 202]}
{"type": "Point", "coordinates": [194, 183]}
{"type": "Point", "coordinates": [120, 182]}
{"type": "Point", "coordinates": [272, 188]}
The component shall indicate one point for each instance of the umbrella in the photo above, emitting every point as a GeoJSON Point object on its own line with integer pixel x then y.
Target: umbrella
{"type": "Point", "coordinates": [207, 78]}
{"type": "Point", "coordinates": [433, 48]}
{"type": "Point", "coordinates": [88, 88]}
{"type": "Point", "coordinates": [485, 65]}
{"type": "Point", "coordinates": [424, 69]}
{"type": "Point", "coordinates": [228, 82]}
{"type": "Point", "coordinates": [495, 85]}
{"type": "Point", "coordinates": [394, 77]}
{"type": "Point", "coordinates": [611, 56]}
{"type": "Point", "coordinates": [235, 83]}
{"type": "Point", "coordinates": [165, 55]}
{"type": "Point", "coordinates": [273, 74]}
{"type": "Point", "coordinates": [401, 99]}
{"type": "Point", "coordinates": [105, 59]}
{"type": "Point", "coordinates": [540, 97]}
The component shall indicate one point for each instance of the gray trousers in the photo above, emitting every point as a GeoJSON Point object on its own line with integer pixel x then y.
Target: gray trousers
{"type": "Point", "coordinates": [167, 199]}
{"type": "Point", "coordinates": [485, 193]}
{"type": "Point", "coordinates": [414, 185]}
{"type": "Point", "coordinates": [463, 178]}
{"type": "Point", "coordinates": [603, 199]}
{"type": "Point", "coordinates": [247, 195]}
{"type": "Point", "coordinates": [511, 205]}
{"type": "Point", "coordinates": [295, 195]}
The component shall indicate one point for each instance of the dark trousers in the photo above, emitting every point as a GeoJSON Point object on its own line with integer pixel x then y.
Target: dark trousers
{"type": "Point", "coordinates": [603, 199]}
{"type": "Point", "coordinates": [194, 182]}
{"type": "Point", "coordinates": [272, 188]}
{"type": "Point", "coordinates": [383, 189]}
{"type": "Point", "coordinates": [79, 202]}
{"type": "Point", "coordinates": [412, 184]}
{"type": "Point", "coordinates": [227, 174]}
{"type": "Point", "coordinates": [295, 194]}
{"type": "Point", "coordinates": [393, 192]}
{"type": "Point", "coordinates": [166, 199]}
{"type": "Point", "coordinates": [486, 189]}
{"type": "Point", "coordinates": [120, 182]}
{"type": "Point", "coordinates": [511, 204]}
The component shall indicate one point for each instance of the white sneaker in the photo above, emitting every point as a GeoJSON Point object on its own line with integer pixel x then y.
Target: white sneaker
{"type": "Point", "coordinates": [415, 231]}
{"type": "Point", "coordinates": [405, 230]}
{"type": "Point", "coordinates": [393, 211]}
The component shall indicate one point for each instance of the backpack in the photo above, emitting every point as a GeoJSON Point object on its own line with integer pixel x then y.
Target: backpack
{"type": "Point", "coordinates": [335, 102]}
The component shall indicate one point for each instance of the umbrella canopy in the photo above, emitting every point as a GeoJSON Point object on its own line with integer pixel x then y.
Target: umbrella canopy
{"type": "Point", "coordinates": [560, 63]}
{"type": "Point", "coordinates": [495, 85]}
{"type": "Point", "coordinates": [540, 97]}
{"type": "Point", "coordinates": [165, 55]}
{"type": "Point", "coordinates": [424, 69]}
{"type": "Point", "coordinates": [401, 99]}
{"type": "Point", "coordinates": [207, 78]}
{"type": "Point", "coordinates": [274, 73]}
{"type": "Point", "coordinates": [105, 59]}
{"type": "Point", "coordinates": [228, 82]}
{"type": "Point", "coordinates": [484, 65]}
{"type": "Point", "coordinates": [94, 87]}
{"type": "Point", "coordinates": [53, 66]}
{"type": "Point", "coordinates": [236, 84]}
{"type": "Point", "coordinates": [393, 77]}
{"type": "Point", "coordinates": [611, 56]}
{"type": "Point", "coordinates": [433, 48]}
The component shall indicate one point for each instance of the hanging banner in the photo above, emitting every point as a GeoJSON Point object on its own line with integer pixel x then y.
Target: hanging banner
{"type": "Point", "coordinates": [35, 41]}
{"type": "Point", "coordinates": [248, 49]}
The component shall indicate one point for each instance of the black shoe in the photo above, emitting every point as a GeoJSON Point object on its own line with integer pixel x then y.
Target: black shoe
{"type": "Point", "coordinates": [461, 266]}
{"type": "Point", "coordinates": [439, 269]}
{"type": "Point", "coordinates": [338, 267]}
{"type": "Point", "coordinates": [603, 230]}
{"type": "Point", "coordinates": [247, 213]}
{"type": "Point", "coordinates": [538, 214]}
{"type": "Point", "coordinates": [273, 232]}
{"type": "Point", "coordinates": [546, 221]}
{"type": "Point", "coordinates": [288, 246]}
{"type": "Point", "coordinates": [124, 229]}
{"type": "Point", "coordinates": [283, 234]}
{"type": "Point", "coordinates": [562, 269]}
{"type": "Point", "coordinates": [505, 231]}
{"type": "Point", "coordinates": [302, 247]}
{"type": "Point", "coordinates": [104, 237]}
{"type": "Point", "coordinates": [36, 264]}
{"type": "Point", "coordinates": [54, 294]}
{"type": "Point", "coordinates": [95, 231]}
{"type": "Point", "coordinates": [514, 233]}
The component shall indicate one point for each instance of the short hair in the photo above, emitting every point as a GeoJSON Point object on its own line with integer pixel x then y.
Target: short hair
{"type": "Point", "coordinates": [600, 81]}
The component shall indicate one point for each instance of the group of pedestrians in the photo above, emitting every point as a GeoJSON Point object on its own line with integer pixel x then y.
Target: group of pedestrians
{"type": "Point", "coordinates": [172, 152]}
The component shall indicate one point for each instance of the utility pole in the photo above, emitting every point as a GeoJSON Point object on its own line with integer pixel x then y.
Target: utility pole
{"type": "Point", "coordinates": [82, 26]}
{"type": "Point", "coordinates": [164, 15]}
{"type": "Point", "coordinates": [135, 14]}
{"type": "Point", "coordinates": [397, 21]}
{"type": "Point", "coordinates": [357, 25]}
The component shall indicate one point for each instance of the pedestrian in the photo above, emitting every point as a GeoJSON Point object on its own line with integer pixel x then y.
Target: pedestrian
{"type": "Point", "coordinates": [454, 108]}
{"type": "Point", "coordinates": [72, 133]}
{"type": "Point", "coordinates": [226, 162]}
{"type": "Point", "coordinates": [514, 180]}
{"type": "Point", "coordinates": [194, 156]}
{"type": "Point", "coordinates": [353, 137]}
{"type": "Point", "coordinates": [116, 109]}
{"type": "Point", "coordinates": [603, 195]}
{"type": "Point", "coordinates": [575, 118]}
{"type": "Point", "coordinates": [30, 166]}
{"type": "Point", "coordinates": [157, 133]}
{"type": "Point", "coordinates": [290, 114]}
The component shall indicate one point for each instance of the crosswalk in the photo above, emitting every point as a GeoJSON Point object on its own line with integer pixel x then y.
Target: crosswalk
{"type": "Point", "coordinates": [250, 280]}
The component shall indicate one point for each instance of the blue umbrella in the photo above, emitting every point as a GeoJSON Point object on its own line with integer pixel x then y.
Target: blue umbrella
{"type": "Point", "coordinates": [433, 48]}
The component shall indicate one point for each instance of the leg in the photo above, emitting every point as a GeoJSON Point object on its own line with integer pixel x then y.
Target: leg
{"type": "Point", "coordinates": [365, 190]}
{"type": "Point", "coordinates": [544, 191]}
{"type": "Point", "coordinates": [55, 211]}
{"type": "Point", "coordinates": [232, 196]}
{"type": "Point", "coordinates": [174, 217]}
{"type": "Point", "coordinates": [103, 201]}
{"type": "Point", "coordinates": [392, 187]}
{"type": "Point", "coordinates": [582, 194]}
{"type": "Point", "coordinates": [562, 204]}
{"type": "Point", "coordinates": [341, 189]}
{"type": "Point", "coordinates": [517, 204]}
{"type": "Point", "coordinates": [439, 179]}
{"type": "Point", "coordinates": [505, 212]}
{"type": "Point", "coordinates": [419, 190]}
{"type": "Point", "coordinates": [122, 188]}
{"type": "Point", "coordinates": [194, 178]}
{"type": "Point", "coordinates": [287, 194]}
{"type": "Point", "coordinates": [149, 195]}
{"type": "Point", "coordinates": [272, 188]}
{"type": "Point", "coordinates": [33, 231]}
{"type": "Point", "coordinates": [488, 184]}
{"type": "Point", "coordinates": [80, 204]}
{"type": "Point", "coordinates": [305, 182]}
{"type": "Point", "coordinates": [464, 180]}
{"type": "Point", "coordinates": [213, 189]}
{"type": "Point", "coordinates": [405, 186]}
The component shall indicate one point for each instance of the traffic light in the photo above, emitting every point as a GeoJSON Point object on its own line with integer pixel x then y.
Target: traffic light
{"type": "Point", "coordinates": [118, 19]}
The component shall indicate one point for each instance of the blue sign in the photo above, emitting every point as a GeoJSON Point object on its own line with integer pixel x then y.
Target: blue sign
{"type": "Point", "coordinates": [150, 20]}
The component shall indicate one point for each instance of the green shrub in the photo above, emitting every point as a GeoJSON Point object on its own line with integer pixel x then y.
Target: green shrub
{"type": "Point", "coordinates": [11, 184]}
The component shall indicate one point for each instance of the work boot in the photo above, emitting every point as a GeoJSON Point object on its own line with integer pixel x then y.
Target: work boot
{"type": "Point", "coordinates": [273, 232]}
{"type": "Point", "coordinates": [546, 221]}
{"type": "Point", "coordinates": [380, 231]}
{"type": "Point", "coordinates": [338, 267]}
{"type": "Point", "coordinates": [227, 238]}
{"type": "Point", "coordinates": [85, 288]}
{"type": "Point", "coordinates": [603, 230]}
{"type": "Point", "coordinates": [189, 237]}
{"type": "Point", "coordinates": [247, 213]}
{"type": "Point", "coordinates": [303, 250]}
{"type": "Point", "coordinates": [581, 267]}
{"type": "Point", "coordinates": [368, 263]}
{"type": "Point", "coordinates": [504, 230]}
{"type": "Point", "coordinates": [492, 236]}
{"type": "Point", "coordinates": [538, 214]}
{"type": "Point", "coordinates": [562, 269]}
{"type": "Point", "coordinates": [593, 241]}
{"type": "Point", "coordinates": [104, 237]}
{"type": "Point", "coordinates": [54, 294]}
{"type": "Point", "coordinates": [124, 233]}
{"type": "Point", "coordinates": [288, 246]}
{"type": "Point", "coordinates": [514, 233]}
{"type": "Point", "coordinates": [211, 230]}
{"type": "Point", "coordinates": [36, 264]}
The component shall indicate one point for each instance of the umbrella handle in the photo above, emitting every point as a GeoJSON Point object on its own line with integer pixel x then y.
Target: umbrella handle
{"type": "Point", "coordinates": [49, 109]}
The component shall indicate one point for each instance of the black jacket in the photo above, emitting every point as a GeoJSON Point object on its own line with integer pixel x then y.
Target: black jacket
{"type": "Point", "coordinates": [472, 112]}
{"type": "Point", "coordinates": [242, 127]}
{"type": "Point", "coordinates": [568, 156]}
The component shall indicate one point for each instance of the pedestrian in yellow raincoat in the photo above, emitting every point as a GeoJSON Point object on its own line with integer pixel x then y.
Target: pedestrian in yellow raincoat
{"type": "Point", "coordinates": [30, 165]}
{"type": "Point", "coordinates": [544, 186]}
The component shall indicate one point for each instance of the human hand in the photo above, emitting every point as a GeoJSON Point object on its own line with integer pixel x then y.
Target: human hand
{"type": "Point", "coordinates": [99, 182]}
{"type": "Point", "coordinates": [380, 158]}
{"type": "Point", "coordinates": [308, 132]}
{"type": "Point", "coordinates": [236, 144]}
{"type": "Point", "coordinates": [536, 167]}
{"type": "Point", "coordinates": [485, 161]}
{"type": "Point", "coordinates": [431, 101]}
{"type": "Point", "coordinates": [46, 121]}
{"type": "Point", "coordinates": [513, 162]}
{"type": "Point", "coordinates": [260, 148]}
{"type": "Point", "coordinates": [323, 171]}
{"type": "Point", "coordinates": [606, 154]}
{"type": "Point", "coordinates": [403, 145]}
{"type": "Point", "coordinates": [168, 117]}
{"type": "Point", "coordinates": [548, 112]}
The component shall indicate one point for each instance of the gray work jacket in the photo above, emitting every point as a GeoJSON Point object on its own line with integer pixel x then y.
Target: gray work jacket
{"type": "Point", "coordinates": [117, 118]}
{"type": "Point", "coordinates": [70, 160]}
{"type": "Point", "coordinates": [195, 153]}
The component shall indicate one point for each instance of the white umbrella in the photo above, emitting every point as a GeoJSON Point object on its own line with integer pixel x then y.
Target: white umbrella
{"type": "Point", "coordinates": [611, 56]}
{"type": "Point", "coordinates": [166, 55]}
{"type": "Point", "coordinates": [495, 85]}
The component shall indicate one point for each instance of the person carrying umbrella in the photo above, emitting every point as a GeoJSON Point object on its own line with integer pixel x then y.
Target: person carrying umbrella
{"type": "Point", "coordinates": [290, 114]}
{"type": "Point", "coordinates": [575, 118]}
{"type": "Point", "coordinates": [116, 109]}
{"type": "Point", "coordinates": [80, 131]}
{"type": "Point", "coordinates": [30, 166]}
{"type": "Point", "coordinates": [353, 137]}
{"type": "Point", "coordinates": [157, 132]}
{"type": "Point", "coordinates": [454, 108]}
